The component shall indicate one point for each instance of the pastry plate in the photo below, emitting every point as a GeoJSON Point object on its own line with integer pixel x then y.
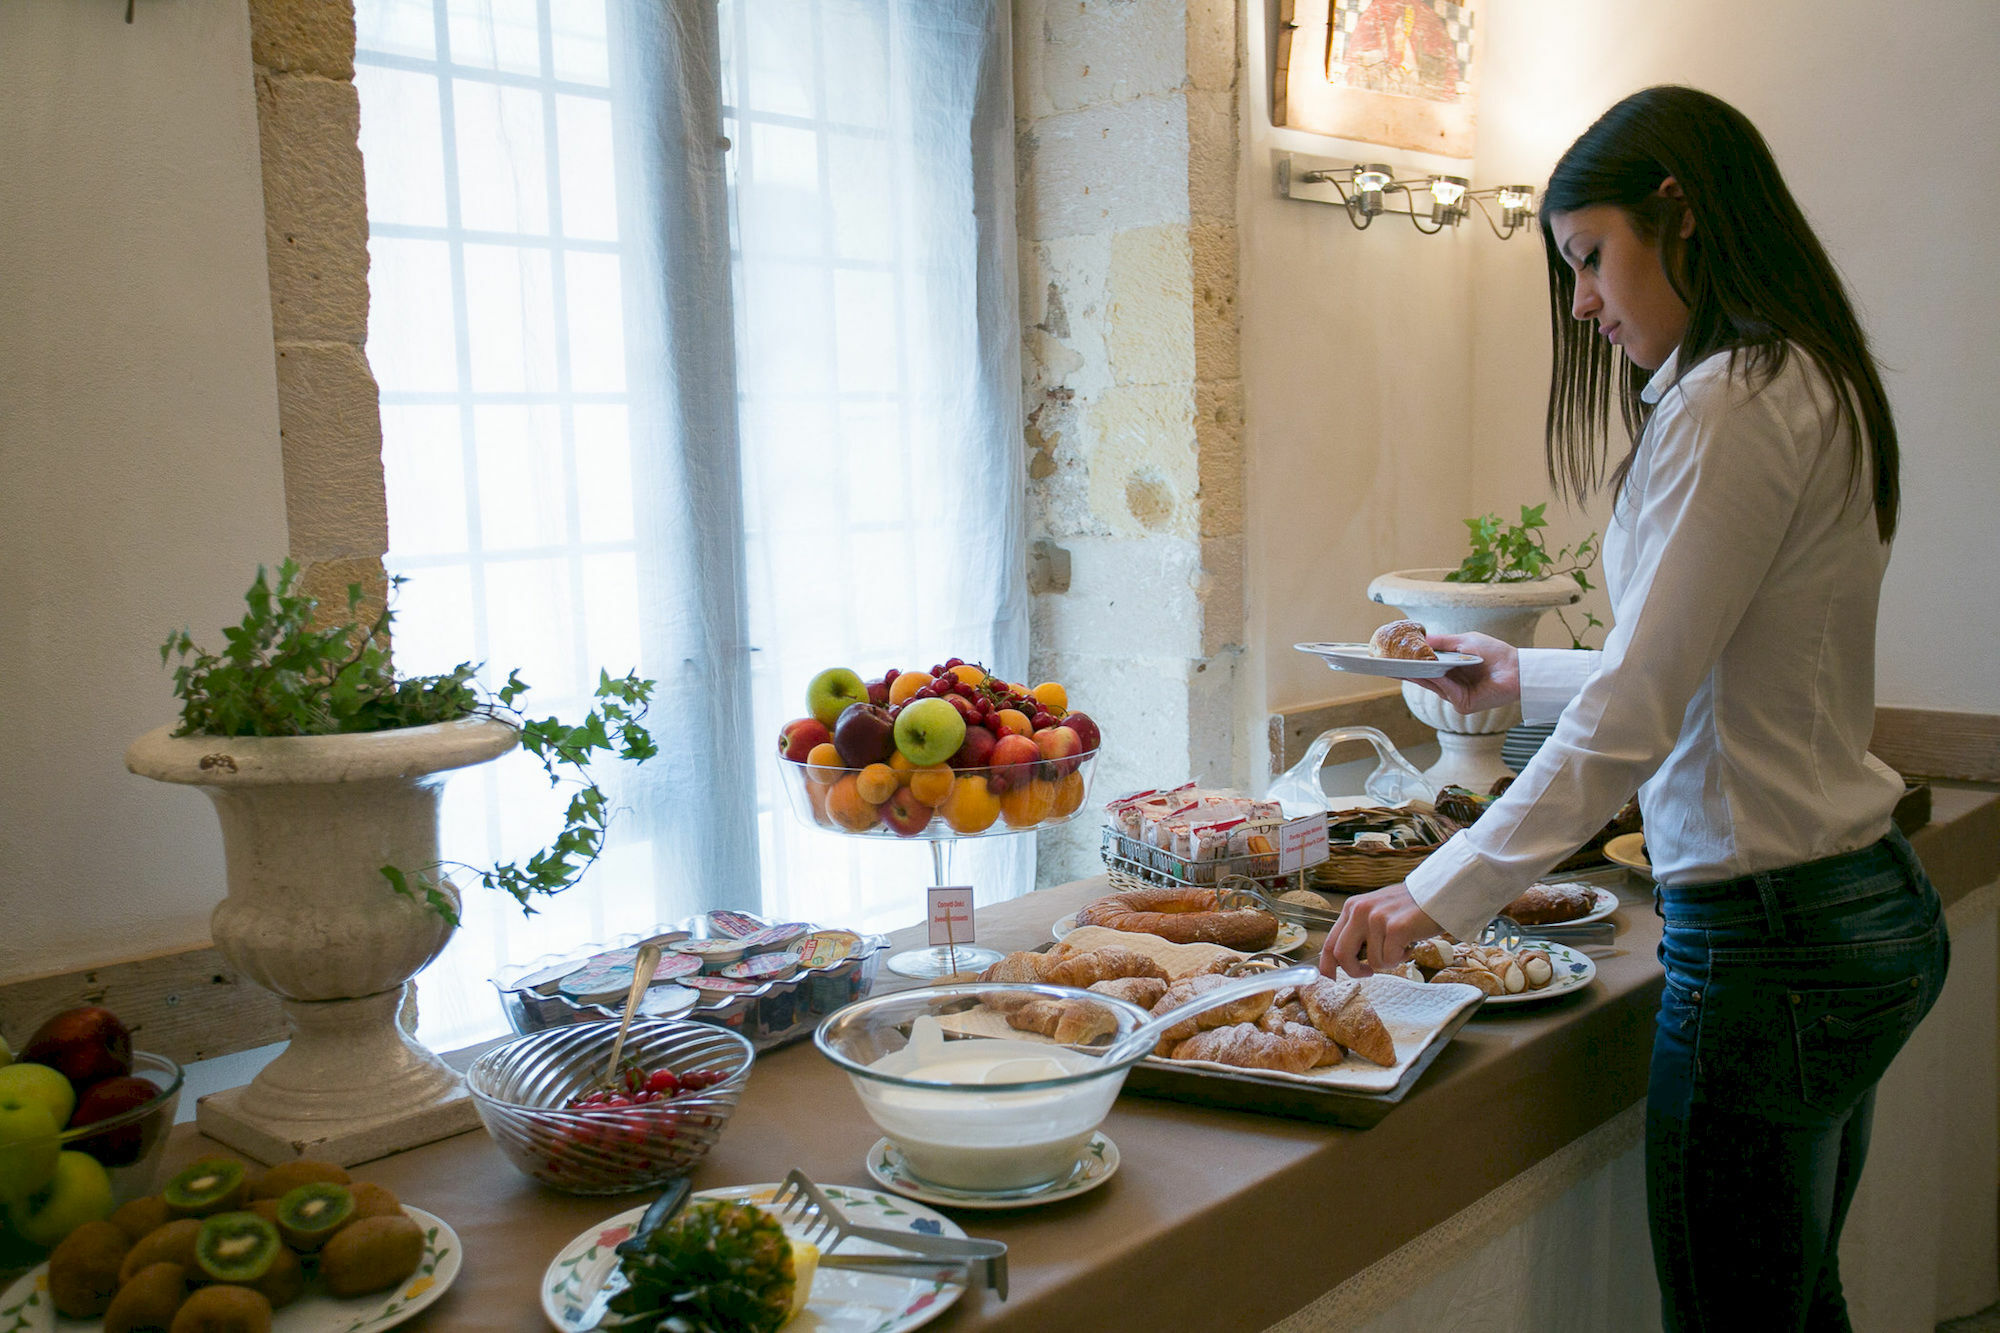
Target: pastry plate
{"type": "Point", "coordinates": [1355, 657]}
{"type": "Point", "coordinates": [1603, 902]}
{"type": "Point", "coordinates": [1095, 1166]}
{"type": "Point", "coordinates": [26, 1305]}
{"type": "Point", "coordinates": [1573, 971]}
{"type": "Point", "coordinates": [584, 1273]}
{"type": "Point", "coordinates": [1290, 934]}
{"type": "Point", "coordinates": [1629, 850]}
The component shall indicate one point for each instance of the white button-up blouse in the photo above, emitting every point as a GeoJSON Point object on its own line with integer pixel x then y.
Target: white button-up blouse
{"type": "Point", "coordinates": [1736, 689]}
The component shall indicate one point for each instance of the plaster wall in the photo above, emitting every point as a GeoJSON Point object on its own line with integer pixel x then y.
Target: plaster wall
{"type": "Point", "coordinates": [140, 477]}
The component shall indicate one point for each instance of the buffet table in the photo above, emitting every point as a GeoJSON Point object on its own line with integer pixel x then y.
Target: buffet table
{"type": "Point", "coordinates": [1216, 1219]}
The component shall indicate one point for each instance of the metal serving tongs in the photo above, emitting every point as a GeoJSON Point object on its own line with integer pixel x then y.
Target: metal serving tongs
{"type": "Point", "coordinates": [1239, 891]}
{"type": "Point", "coordinates": [1510, 934]}
{"type": "Point", "coordinates": [969, 1260]}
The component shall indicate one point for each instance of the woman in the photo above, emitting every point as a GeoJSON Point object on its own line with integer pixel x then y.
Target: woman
{"type": "Point", "coordinates": [1750, 529]}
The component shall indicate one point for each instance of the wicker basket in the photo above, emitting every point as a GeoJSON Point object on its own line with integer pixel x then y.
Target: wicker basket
{"type": "Point", "coordinates": [1349, 868]}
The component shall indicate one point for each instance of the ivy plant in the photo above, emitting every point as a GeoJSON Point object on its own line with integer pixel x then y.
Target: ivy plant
{"type": "Point", "coordinates": [1518, 552]}
{"type": "Point", "coordinates": [282, 674]}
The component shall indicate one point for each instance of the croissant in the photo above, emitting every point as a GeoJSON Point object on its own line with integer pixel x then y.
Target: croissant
{"type": "Point", "coordinates": [1142, 991]}
{"type": "Point", "coordinates": [1071, 1022]}
{"type": "Point", "coordinates": [1246, 1010]}
{"type": "Point", "coordinates": [1342, 1012]}
{"type": "Point", "coordinates": [1295, 1050]}
{"type": "Point", "coordinates": [1017, 967]}
{"type": "Point", "coordinates": [1106, 964]}
{"type": "Point", "coordinates": [1401, 638]}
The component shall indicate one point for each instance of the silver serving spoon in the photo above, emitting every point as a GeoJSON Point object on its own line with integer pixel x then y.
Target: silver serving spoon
{"type": "Point", "coordinates": [647, 963]}
{"type": "Point", "coordinates": [1143, 1038]}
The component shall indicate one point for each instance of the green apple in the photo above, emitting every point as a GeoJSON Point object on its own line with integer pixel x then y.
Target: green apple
{"type": "Point", "coordinates": [28, 1081]}
{"type": "Point", "coordinates": [929, 731]}
{"type": "Point", "coordinates": [79, 1192]}
{"type": "Point", "coordinates": [831, 691]}
{"type": "Point", "coordinates": [28, 1146]}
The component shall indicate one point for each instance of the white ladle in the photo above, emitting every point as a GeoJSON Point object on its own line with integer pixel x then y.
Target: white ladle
{"type": "Point", "coordinates": [1143, 1038]}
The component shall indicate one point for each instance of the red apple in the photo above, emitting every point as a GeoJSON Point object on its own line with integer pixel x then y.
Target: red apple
{"type": "Point", "coordinates": [1086, 731]}
{"type": "Point", "coordinates": [977, 749]}
{"type": "Point", "coordinates": [864, 735]}
{"type": "Point", "coordinates": [85, 1045]}
{"type": "Point", "coordinates": [1059, 747]}
{"type": "Point", "coordinates": [1012, 762]}
{"type": "Point", "coordinates": [799, 736]}
{"type": "Point", "coordinates": [905, 813]}
{"type": "Point", "coordinates": [123, 1145]}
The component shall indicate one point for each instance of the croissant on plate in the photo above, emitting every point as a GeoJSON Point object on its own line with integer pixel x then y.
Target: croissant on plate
{"type": "Point", "coordinates": [1071, 1022]}
{"type": "Point", "coordinates": [1295, 1050]}
{"type": "Point", "coordinates": [1246, 1010]}
{"type": "Point", "coordinates": [1402, 638]}
{"type": "Point", "coordinates": [1142, 991]}
{"type": "Point", "coordinates": [1342, 1012]}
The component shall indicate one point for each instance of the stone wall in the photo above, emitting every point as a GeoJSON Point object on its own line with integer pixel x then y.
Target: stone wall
{"type": "Point", "coordinates": [1126, 124]}
{"type": "Point", "coordinates": [316, 233]}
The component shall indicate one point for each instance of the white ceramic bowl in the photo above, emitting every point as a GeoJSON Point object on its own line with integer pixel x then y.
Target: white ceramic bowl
{"type": "Point", "coordinates": [986, 1113]}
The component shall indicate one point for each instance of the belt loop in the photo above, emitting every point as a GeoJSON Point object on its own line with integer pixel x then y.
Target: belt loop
{"type": "Point", "coordinates": [1767, 894]}
{"type": "Point", "coordinates": [1659, 907]}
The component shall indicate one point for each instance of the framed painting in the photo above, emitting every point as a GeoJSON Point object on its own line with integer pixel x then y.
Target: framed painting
{"type": "Point", "coordinates": [1401, 73]}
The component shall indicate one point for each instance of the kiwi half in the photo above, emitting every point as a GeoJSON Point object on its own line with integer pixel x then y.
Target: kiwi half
{"type": "Point", "coordinates": [236, 1247]}
{"type": "Point", "coordinates": [212, 1185]}
{"type": "Point", "coordinates": [310, 1214]}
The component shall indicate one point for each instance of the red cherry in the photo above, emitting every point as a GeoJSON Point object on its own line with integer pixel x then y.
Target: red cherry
{"type": "Point", "coordinates": [951, 662]}
{"type": "Point", "coordinates": [664, 1081]}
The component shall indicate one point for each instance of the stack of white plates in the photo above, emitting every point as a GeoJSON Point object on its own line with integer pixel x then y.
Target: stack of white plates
{"type": "Point", "coordinates": [1522, 741]}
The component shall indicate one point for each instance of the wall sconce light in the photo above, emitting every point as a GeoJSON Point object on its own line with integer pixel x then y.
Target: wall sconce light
{"type": "Point", "coordinates": [1362, 190]}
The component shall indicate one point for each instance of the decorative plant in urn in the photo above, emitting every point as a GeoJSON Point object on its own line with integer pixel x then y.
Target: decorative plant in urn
{"type": "Point", "coordinates": [326, 771]}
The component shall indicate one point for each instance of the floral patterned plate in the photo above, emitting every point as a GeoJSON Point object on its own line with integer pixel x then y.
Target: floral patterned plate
{"type": "Point", "coordinates": [584, 1274]}
{"type": "Point", "coordinates": [1573, 971]}
{"type": "Point", "coordinates": [1094, 1166]}
{"type": "Point", "coordinates": [26, 1307]}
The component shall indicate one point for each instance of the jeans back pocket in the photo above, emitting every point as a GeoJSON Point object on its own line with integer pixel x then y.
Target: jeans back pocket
{"type": "Point", "coordinates": [1846, 1037]}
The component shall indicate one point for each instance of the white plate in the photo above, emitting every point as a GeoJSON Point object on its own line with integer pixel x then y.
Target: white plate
{"type": "Point", "coordinates": [1603, 902]}
{"type": "Point", "coordinates": [26, 1306]}
{"type": "Point", "coordinates": [1355, 657]}
{"type": "Point", "coordinates": [1290, 933]}
{"type": "Point", "coordinates": [584, 1273]}
{"type": "Point", "coordinates": [1093, 1168]}
{"type": "Point", "coordinates": [1573, 972]}
{"type": "Point", "coordinates": [1629, 850]}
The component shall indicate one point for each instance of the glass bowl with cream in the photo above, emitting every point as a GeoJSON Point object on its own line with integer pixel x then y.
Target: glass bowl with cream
{"type": "Point", "coordinates": [970, 1102]}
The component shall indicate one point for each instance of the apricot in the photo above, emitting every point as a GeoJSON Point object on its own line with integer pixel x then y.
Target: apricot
{"type": "Point", "coordinates": [1051, 696]}
{"type": "Point", "coordinates": [905, 686]}
{"type": "Point", "coordinates": [971, 807]}
{"type": "Point", "coordinates": [876, 783]}
{"type": "Point", "coordinates": [902, 767]}
{"type": "Point", "coordinates": [1069, 795]}
{"type": "Point", "coordinates": [968, 673]}
{"type": "Point", "coordinates": [849, 808]}
{"type": "Point", "coordinates": [1028, 803]}
{"type": "Point", "coordinates": [823, 764]}
{"type": "Point", "coordinates": [1015, 721]}
{"type": "Point", "coordinates": [932, 785]}
{"type": "Point", "coordinates": [816, 797]}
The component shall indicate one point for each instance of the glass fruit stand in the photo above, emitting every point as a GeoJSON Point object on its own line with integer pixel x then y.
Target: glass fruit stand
{"type": "Point", "coordinates": [1034, 775]}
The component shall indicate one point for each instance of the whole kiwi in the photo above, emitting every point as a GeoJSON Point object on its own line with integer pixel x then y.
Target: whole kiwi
{"type": "Point", "coordinates": [284, 1281]}
{"type": "Point", "coordinates": [371, 1254]}
{"type": "Point", "coordinates": [83, 1269]}
{"type": "Point", "coordinates": [142, 1215]}
{"type": "Point", "coordinates": [372, 1200]}
{"type": "Point", "coordinates": [264, 1208]}
{"type": "Point", "coordinates": [282, 1179]}
{"type": "Point", "coordinates": [211, 1185]}
{"type": "Point", "coordinates": [148, 1301]}
{"type": "Point", "coordinates": [172, 1243]}
{"type": "Point", "coordinates": [223, 1309]}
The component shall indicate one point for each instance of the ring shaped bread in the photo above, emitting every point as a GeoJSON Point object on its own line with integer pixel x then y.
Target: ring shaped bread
{"type": "Point", "coordinates": [1185, 916]}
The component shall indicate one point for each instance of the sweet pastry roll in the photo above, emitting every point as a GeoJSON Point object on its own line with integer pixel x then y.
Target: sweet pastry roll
{"type": "Point", "coordinates": [1402, 638]}
{"type": "Point", "coordinates": [1185, 916]}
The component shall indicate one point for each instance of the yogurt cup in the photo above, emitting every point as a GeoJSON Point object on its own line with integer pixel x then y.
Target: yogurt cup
{"type": "Point", "coordinates": [713, 955]}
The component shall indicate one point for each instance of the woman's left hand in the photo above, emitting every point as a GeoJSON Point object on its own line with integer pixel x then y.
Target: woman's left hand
{"type": "Point", "coordinates": [1375, 930]}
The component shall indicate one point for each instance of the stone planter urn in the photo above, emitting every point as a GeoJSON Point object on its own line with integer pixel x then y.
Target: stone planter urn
{"type": "Point", "coordinates": [307, 823]}
{"type": "Point", "coordinates": [1509, 612]}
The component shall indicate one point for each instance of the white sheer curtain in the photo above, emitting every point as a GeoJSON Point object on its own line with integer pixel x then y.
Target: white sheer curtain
{"type": "Point", "coordinates": [726, 435]}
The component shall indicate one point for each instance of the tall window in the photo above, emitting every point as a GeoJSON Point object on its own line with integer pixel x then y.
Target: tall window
{"type": "Point", "coordinates": [512, 335]}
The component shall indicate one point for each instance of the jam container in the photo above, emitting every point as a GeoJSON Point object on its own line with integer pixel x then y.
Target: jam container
{"type": "Point", "coordinates": [763, 967]}
{"type": "Point", "coordinates": [712, 954]}
{"type": "Point", "coordinates": [776, 938]}
{"type": "Point", "coordinates": [734, 925]}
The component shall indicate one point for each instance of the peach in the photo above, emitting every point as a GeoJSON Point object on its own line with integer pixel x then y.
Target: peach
{"type": "Point", "coordinates": [1013, 761]}
{"type": "Point", "coordinates": [905, 686]}
{"type": "Point", "coordinates": [816, 794]}
{"type": "Point", "coordinates": [848, 808]}
{"type": "Point", "coordinates": [1069, 795]}
{"type": "Point", "coordinates": [971, 807]}
{"type": "Point", "coordinates": [932, 785]}
{"type": "Point", "coordinates": [1015, 721]}
{"type": "Point", "coordinates": [823, 764]}
{"type": "Point", "coordinates": [1028, 803]}
{"type": "Point", "coordinates": [1060, 746]}
{"type": "Point", "coordinates": [1051, 696]}
{"type": "Point", "coordinates": [876, 783]}
{"type": "Point", "coordinates": [968, 673]}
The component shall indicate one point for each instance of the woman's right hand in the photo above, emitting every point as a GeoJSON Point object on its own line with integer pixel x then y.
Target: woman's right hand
{"type": "Point", "coordinates": [1494, 682]}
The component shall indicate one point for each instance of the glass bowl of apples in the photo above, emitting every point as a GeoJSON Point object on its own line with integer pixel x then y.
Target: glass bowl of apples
{"type": "Point", "coordinates": [84, 1121]}
{"type": "Point", "coordinates": [546, 1102]}
{"type": "Point", "coordinates": [935, 755]}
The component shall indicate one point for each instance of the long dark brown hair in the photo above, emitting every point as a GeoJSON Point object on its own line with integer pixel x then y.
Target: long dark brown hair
{"type": "Point", "coordinates": [1756, 281]}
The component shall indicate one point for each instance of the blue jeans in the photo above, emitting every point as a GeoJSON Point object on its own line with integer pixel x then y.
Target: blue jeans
{"type": "Point", "coordinates": [1787, 995]}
